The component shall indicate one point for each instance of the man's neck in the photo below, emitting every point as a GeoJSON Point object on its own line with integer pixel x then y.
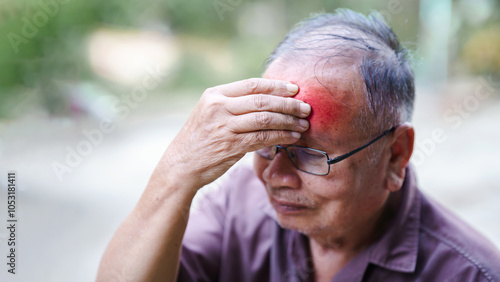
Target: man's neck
{"type": "Point", "coordinates": [330, 254]}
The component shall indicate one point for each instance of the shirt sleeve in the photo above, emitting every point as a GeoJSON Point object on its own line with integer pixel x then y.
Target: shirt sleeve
{"type": "Point", "coordinates": [202, 242]}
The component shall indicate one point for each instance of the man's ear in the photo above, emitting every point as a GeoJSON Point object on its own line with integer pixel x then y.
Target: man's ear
{"type": "Point", "coordinates": [400, 149]}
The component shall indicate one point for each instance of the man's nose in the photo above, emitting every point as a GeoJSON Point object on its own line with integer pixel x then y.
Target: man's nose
{"type": "Point", "coordinates": [281, 172]}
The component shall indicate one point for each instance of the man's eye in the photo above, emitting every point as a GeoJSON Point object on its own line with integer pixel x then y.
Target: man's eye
{"type": "Point", "coordinates": [310, 153]}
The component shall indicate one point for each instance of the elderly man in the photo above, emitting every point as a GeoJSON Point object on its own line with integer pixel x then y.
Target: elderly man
{"type": "Point", "coordinates": [331, 196]}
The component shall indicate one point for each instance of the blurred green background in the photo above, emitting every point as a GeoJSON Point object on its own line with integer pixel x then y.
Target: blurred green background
{"type": "Point", "coordinates": [47, 44]}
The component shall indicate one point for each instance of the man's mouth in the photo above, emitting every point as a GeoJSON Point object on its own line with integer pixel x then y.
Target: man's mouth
{"type": "Point", "coordinates": [285, 207]}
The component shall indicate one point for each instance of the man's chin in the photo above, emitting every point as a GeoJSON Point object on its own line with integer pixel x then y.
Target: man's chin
{"type": "Point", "coordinates": [308, 227]}
{"type": "Point", "coordinates": [302, 225]}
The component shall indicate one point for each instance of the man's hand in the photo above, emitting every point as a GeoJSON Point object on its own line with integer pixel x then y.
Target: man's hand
{"type": "Point", "coordinates": [231, 120]}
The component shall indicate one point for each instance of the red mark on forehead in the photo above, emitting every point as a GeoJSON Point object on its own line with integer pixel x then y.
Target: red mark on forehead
{"type": "Point", "coordinates": [326, 111]}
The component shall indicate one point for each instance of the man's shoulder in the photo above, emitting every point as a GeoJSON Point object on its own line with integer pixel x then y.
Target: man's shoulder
{"type": "Point", "coordinates": [246, 195]}
{"type": "Point", "coordinates": [450, 242]}
{"type": "Point", "coordinates": [242, 181]}
{"type": "Point", "coordinates": [242, 199]}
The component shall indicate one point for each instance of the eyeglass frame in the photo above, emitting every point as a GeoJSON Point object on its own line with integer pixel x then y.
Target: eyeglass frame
{"type": "Point", "coordinates": [328, 161]}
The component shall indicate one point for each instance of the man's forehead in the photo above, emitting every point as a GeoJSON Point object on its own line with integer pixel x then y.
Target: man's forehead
{"type": "Point", "coordinates": [331, 89]}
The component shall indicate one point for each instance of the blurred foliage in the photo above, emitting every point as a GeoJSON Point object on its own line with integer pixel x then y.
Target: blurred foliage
{"type": "Point", "coordinates": [482, 51]}
{"type": "Point", "coordinates": [220, 40]}
{"type": "Point", "coordinates": [43, 42]}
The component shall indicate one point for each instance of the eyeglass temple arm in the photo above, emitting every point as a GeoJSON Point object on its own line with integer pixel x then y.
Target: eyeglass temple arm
{"type": "Point", "coordinates": [340, 158]}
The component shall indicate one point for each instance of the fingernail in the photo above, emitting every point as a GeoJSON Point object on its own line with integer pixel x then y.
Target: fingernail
{"type": "Point", "coordinates": [305, 108]}
{"type": "Point", "coordinates": [304, 123]}
{"type": "Point", "coordinates": [296, 135]}
{"type": "Point", "coordinates": [292, 88]}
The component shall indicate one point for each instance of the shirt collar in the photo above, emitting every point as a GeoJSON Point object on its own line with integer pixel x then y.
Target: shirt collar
{"type": "Point", "coordinates": [397, 249]}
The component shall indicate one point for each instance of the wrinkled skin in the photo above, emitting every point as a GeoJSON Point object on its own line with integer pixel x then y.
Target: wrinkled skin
{"type": "Point", "coordinates": [343, 209]}
{"type": "Point", "coordinates": [228, 121]}
{"type": "Point", "coordinates": [231, 120]}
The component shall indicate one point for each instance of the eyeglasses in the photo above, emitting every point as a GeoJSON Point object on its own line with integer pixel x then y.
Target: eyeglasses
{"type": "Point", "coordinates": [311, 160]}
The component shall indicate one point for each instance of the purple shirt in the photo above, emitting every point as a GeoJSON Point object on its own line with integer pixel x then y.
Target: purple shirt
{"type": "Point", "coordinates": [233, 236]}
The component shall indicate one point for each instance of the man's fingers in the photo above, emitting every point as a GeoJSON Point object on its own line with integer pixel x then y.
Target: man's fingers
{"type": "Point", "coordinates": [261, 102]}
{"type": "Point", "coordinates": [267, 121]}
{"type": "Point", "coordinates": [260, 139]}
{"type": "Point", "coordinates": [258, 86]}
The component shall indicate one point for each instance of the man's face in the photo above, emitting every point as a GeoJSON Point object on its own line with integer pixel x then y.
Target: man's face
{"type": "Point", "coordinates": [352, 194]}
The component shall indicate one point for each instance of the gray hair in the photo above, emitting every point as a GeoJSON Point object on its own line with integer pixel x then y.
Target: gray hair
{"type": "Point", "coordinates": [384, 64]}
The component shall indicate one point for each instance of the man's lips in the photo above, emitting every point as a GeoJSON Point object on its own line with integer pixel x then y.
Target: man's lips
{"type": "Point", "coordinates": [285, 207]}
